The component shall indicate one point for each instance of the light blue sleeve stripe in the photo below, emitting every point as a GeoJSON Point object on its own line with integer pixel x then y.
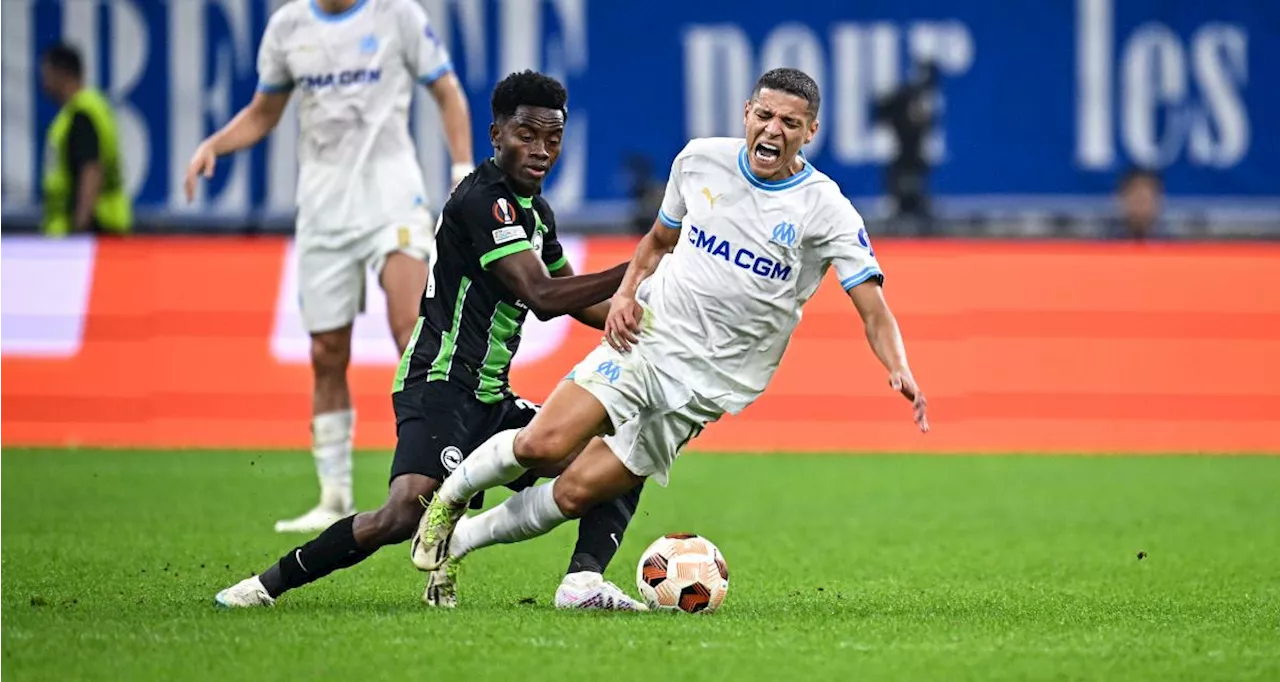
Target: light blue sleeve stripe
{"type": "Point", "coordinates": [860, 277]}
{"type": "Point", "coordinates": [436, 73]}
{"type": "Point", "coordinates": [668, 220]}
{"type": "Point", "coordinates": [273, 88]}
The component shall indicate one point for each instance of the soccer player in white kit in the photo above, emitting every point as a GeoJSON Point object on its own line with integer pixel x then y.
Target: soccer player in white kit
{"type": "Point", "coordinates": [360, 195]}
{"type": "Point", "coordinates": [746, 232]}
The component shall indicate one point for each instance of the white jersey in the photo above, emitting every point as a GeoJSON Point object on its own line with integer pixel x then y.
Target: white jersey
{"type": "Point", "coordinates": [354, 75]}
{"type": "Point", "coordinates": [722, 306]}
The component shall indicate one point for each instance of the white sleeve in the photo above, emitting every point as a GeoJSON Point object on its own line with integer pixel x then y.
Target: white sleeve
{"type": "Point", "coordinates": [426, 55]}
{"type": "Point", "coordinates": [848, 246]}
{"type": "Point", "coordinates": [673, 206]}
{"type": "Point", "coordinates": [273, 68]}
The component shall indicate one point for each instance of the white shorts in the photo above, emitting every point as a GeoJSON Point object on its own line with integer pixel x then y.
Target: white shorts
{"type": "Point", "coordinates": [331, 276]}
{"type": "Point", "coordinates": [654, 415]}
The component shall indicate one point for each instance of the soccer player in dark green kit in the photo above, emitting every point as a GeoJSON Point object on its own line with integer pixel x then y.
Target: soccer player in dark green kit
{"type": "Point", "coordinates": [498, 258]}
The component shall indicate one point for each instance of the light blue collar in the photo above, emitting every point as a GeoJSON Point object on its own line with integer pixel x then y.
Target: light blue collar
{"type": "Point", "coordinates": [772, 185]}
{"type": "Point", "coordinates": [345, 14]}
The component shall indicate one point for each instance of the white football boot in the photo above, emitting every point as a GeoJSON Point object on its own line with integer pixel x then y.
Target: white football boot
{"type": "Point", "coordinates": [442, 589]}
{"type": "Point", "coordinates": [335, 504]}
{"type": "Point", "coordinates": [429, 550]}
{"type": "Point", "coordinates": [313, 521]}
{"type": "Point", "coordinates": [587, 590]}
{"type": "Point", "coordinates": [246, 593]}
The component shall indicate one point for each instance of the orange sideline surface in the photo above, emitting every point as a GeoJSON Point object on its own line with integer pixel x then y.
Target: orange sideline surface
{"type": "Point", "coordinates": [1021, 347]}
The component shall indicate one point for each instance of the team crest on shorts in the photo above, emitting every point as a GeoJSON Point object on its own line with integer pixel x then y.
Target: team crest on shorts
{"type": "Point", "coordinates": [504, 212]}
{"type": "Point", "coordinates": [450, 457]}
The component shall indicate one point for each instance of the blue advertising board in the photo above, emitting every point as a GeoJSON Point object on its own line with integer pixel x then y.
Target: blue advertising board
{"type": "Point", "coordinates": [1043, 100]}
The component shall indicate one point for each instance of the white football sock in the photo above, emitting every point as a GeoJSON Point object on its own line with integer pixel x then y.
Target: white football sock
{"type": "Point", "coordinates": [331, 436]}
{"type": "Point", "coordinates": [490, 465]}
{"type": "Point", "coordinates": [527, 514]}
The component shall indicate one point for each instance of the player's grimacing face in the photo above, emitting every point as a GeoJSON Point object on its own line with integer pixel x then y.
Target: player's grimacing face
{"type": "Point", "coordinates": [777, 125]}
{"type": "Point", "coordinates": [527, 144]}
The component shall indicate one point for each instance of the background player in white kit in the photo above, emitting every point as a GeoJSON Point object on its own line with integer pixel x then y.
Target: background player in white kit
{"type": "Point", "coordinates": [746, 232]}
{"type": "Point", "coordinates": [360, 191]}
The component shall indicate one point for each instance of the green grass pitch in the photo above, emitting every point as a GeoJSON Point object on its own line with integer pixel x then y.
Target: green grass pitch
{"type": "Point", "coordinates": [887, 568]}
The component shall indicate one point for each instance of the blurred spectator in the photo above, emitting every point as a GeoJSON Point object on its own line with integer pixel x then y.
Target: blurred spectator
{"type": "Point", "coordinates": [1140, 199]}
{"type": "Point", "coordinates": [83, 183]}
{"type": "Point", "coordinates": [909, 112]}
{"type": "Point", "coordinates": [645, 192]}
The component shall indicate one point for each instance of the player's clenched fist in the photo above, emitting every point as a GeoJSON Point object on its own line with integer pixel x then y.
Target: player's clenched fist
{"type": "Point", "coordinates": [202, 164]}
{"type": "Point", "coordinates": [905, 384]}
{"type": "Point", "coordinates": [623, 323]}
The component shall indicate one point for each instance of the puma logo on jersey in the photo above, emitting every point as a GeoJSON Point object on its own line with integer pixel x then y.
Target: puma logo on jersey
{"type": "Point", "coordinates": [711, 198]}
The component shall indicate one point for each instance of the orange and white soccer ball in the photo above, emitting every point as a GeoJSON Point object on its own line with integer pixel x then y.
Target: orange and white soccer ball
{"type": "Point", "coordinates": [683, 572]}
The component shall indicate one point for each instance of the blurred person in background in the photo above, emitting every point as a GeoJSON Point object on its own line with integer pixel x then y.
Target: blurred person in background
{"type": "Point", "coordinates": [1140, 203]}
{"type": "Point", "coordinates": [646, 192]}
{"type": "Point", "coordinates": [83, 181]}
{"type": "Point", "coordinates": [361, 200]}
{"type": "Point", "coordinates": [909, 112]}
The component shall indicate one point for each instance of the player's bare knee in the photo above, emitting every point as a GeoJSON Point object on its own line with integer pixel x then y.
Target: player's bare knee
{"type": "Point", "coordinates": [395, 522]}
{"type": "Point", "coordinates": [330, 353]}
{"type": "Point", "coordinates": [398, 518]}
{"type": "Point", "coordinates": [376, 527]}
{"type": "Point", "coordinates": [572, 497]}
{"type": "Point", "coordinates": [541, 447]}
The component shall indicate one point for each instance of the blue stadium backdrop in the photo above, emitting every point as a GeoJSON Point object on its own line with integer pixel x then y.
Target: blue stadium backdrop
{"type": "Point", "coordinates": [1039, 101]}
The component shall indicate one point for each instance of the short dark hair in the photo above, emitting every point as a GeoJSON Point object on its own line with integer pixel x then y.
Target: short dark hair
{"type": "Point", "coordinates": [66, 59]}
{"type": "Point", "coordinates": [793, 82]}
{"type": "Point", "coordinates": [528, 88]}
{"type": "Point", "coordinates": [1136, 173]}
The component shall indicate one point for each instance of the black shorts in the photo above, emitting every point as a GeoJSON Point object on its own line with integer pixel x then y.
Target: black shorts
{"type": "Point", "coordinates": [438, 424]}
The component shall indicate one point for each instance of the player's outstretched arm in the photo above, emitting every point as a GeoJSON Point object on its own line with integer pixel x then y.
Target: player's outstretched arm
{"type": "Point", "coordinates": [249, 126]}
{"type": "Point", "coordinates": [886, 341]}
{"type": "Point", "coordinates": [525, 275]}
{"type": "Point", "coordinates": [623, 324]}
{"type": "Point", "coordinates": [592, 316]}
{"type": "Point", "coordinates": [455, 115]}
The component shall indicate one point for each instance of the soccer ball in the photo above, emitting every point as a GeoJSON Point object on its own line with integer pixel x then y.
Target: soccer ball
{"type": "Point", "coordinates": [683, 571]}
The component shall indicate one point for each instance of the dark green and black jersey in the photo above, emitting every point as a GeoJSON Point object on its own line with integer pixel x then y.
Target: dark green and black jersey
{"type": "Point", "coordinates": [469, 324]}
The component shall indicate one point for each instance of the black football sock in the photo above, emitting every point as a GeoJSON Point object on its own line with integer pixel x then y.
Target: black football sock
{"type": "Point", "coordinates": [600, 532]}
{"type": "Point", "coordinates": [333, 549]}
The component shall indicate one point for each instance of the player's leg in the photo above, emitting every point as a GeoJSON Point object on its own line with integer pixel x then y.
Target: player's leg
{"type": "Point", "coordinates": [600, 534]}
{"type": "Point", "coordinates": [331, 288]}
{"type": "Point", "coordinates": [595, 476]}
{"type": "Point", "coordinates": [648, 435]}
{"type": "Point", "coordinates": [403, 278]}
{"type": "Point", "coordinates": [570, 417]}
{"type": "Point", "coordinates": [402, 264]}
{"type": "Point", "coordinates": [345, 543]}
{"type": "Point", "coordinates": [416, 471]}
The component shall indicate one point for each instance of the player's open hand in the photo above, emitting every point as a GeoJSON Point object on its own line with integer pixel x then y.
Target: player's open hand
{"type": "Point", "coordinates": [905, 384]}
{"type": "Point", "coordinates": [622, 326]}
{"type": "Point", "coordinates": [202, 164]}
